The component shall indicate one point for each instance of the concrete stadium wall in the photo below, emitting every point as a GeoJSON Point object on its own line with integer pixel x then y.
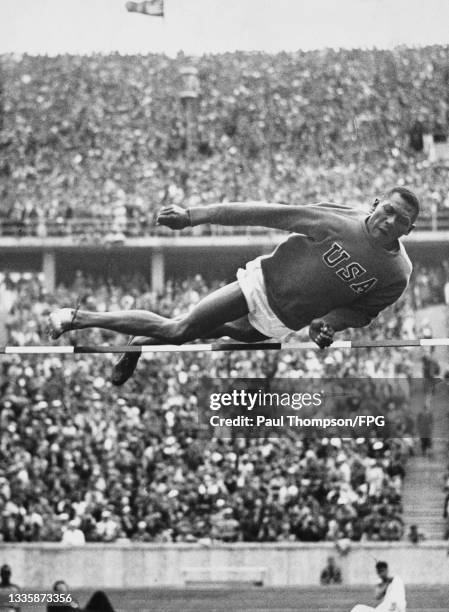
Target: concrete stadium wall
{"type": "Point", "coordinates": [144, 565]}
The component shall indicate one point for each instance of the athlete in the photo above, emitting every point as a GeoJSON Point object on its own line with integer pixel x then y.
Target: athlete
{"type": "Point", "coordinates": [337, 269]}
{"type": "Point", "coordinates": [8, 591]}
{"type": "Point", "coordinates": [391, 591]}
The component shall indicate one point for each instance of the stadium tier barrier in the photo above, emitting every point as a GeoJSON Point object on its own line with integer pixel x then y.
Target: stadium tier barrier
{"type": "Point", "coordinates": [128, 566]}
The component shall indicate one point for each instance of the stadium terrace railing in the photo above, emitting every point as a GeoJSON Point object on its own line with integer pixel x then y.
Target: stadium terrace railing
{"type": "Point", "coordinates": [104, 227]}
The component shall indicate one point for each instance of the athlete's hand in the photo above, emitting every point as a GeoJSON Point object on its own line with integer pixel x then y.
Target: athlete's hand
{"type": "Point", "coordinates": [174, 217]}
{"type": "Point", "coordinates": [321, 333]}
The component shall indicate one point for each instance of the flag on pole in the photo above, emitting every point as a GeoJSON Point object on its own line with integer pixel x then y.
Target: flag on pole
{"type": "Point", "coordinates": [155, 8]}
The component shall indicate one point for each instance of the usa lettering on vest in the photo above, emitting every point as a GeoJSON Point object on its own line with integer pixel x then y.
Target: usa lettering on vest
{"type": "Point", "coordinates": [350, 272]}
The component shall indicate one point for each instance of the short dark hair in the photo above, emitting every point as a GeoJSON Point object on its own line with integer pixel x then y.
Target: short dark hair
{"type": "Point", "coordinates": [409, 197]}
{"type": "Point", "coordinates": [381, 565]}
{"type": "Point", "coordinates": [57, 583]}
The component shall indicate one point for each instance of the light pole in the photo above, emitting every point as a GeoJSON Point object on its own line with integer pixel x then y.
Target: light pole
{"type": "Point", "coordinates": [188, 94]}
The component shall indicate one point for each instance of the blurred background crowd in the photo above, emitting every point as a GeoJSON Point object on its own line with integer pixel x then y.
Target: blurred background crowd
{"type": "Point", "coordinates": [103, 140]}
{"type": "Point", "coordinates": [81, 460]}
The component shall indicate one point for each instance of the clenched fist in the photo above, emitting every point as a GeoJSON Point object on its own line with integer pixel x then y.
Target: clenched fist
{"type": "Point", "coordinates": [174, 217]}
{"type": "Point", "coordinates": [321, 333]}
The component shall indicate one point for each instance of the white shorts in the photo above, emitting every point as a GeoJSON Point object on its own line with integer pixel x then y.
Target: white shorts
{"type": "Point", "coordinates": [260, 315]}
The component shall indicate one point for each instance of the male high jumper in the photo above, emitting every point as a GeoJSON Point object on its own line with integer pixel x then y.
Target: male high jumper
{"type": "Point", "coordinates": [338, 269]}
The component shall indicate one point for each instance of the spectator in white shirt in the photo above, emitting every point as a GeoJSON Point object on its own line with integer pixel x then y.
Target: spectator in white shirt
{"type": "Point", "coordinates": [73, 536]}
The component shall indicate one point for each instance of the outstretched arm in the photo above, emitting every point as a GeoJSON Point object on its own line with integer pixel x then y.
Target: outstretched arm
{"type": "Point", "coordinates": [302, 219]}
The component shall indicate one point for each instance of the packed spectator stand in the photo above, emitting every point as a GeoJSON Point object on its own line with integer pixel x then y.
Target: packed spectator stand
{"type": "Point", "coordinates": [98, 143]}
{"type": "Point", "coordinates": [133, 463]}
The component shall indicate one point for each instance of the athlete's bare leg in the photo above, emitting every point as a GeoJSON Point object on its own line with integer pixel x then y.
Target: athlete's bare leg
{"type": "Point", "coordinates": [209, 318]}
{"type": "Point", "coordinates": [223, 305]}
{"type": "Point", "coordinates": [241, 330]}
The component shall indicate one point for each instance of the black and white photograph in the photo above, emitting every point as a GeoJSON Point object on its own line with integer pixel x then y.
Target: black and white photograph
{"type": "Point", "coordinates": [224, 305]}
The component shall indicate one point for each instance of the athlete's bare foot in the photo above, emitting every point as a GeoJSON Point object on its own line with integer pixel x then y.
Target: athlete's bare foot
{"type": "Point", "coordinates": [60, 321]}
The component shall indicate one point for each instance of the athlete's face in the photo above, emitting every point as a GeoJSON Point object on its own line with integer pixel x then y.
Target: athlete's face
{"type": "Point", "coordinates": [392, 217]}
{"type": "Point", "coordinates": [382, 573]}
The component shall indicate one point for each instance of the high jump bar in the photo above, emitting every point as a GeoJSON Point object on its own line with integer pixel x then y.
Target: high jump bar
{"type": "Point", "coordinates": [220, 346]}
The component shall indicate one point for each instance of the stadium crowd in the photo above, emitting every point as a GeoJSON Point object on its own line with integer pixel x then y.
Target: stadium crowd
{"type": "Point", "coordinates": [104, 137]}
{"type": "Point", "coordinates": [81, 460]}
